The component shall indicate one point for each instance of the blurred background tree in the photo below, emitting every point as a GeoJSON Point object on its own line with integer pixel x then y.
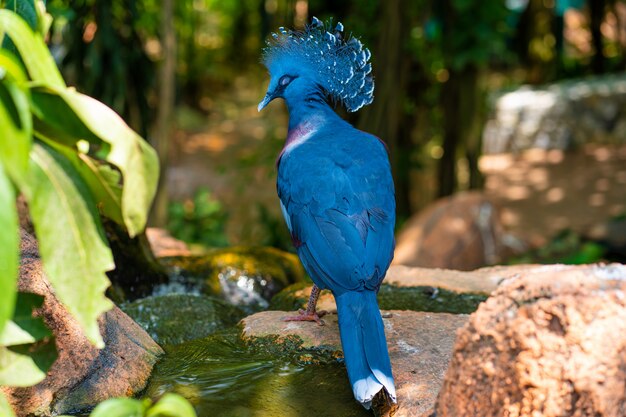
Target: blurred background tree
{"type": "Point", "coordinates": [435, 63]}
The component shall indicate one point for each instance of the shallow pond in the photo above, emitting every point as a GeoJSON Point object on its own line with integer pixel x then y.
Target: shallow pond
{"type": "Point", "coordinates": [221, 376]}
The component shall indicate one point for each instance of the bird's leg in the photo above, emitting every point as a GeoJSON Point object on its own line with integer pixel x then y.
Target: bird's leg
{"type": "Point", "coordinates": [310, 314]}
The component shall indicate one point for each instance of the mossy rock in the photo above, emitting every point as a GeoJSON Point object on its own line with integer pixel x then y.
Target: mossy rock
{"type": "Point", "coordinates": [431, 299]}
{"type": "Point", "coordinates": [176, 318]}
{"type": "Point", "coordinates": [291, 298]}
{"type": "Point", "coordinates": [392, 297]}
{"type": "Point", "coordinates": [245, 276]}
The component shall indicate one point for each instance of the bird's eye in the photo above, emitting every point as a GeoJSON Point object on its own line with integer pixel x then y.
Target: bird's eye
{"type": "Point", "coordinates": [284, 80]}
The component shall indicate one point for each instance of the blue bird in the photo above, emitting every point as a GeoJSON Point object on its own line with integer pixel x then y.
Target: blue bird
{"type": "Point", "coordinates": [336, 191]}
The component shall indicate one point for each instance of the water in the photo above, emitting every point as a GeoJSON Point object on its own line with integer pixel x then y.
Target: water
{"type": "Point", "coordinates": [221, 376]}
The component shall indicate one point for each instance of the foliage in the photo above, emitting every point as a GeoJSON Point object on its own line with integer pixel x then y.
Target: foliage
{"type": "Point", "coordinates": [567, 247]}
{"type": "Point", "coordinates": [169, 405]}
{"type": "Point", "coordinates": [199, 220]}
{"type": "Point", "coordinates": [72, 158]}
{"type": "Point", "coordinates": [100, 46]}
{"type": "Point", "coordinates": [26, 346]}
{"type": "Point", "coordinates": [472, 32]}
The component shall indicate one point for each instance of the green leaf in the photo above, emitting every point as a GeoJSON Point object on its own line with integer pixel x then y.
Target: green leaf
{"type": "Point", "coordinates": [73, 248]}
{"type": "Point", "coordinates": [25, 9]}
{"type": "Point", "coordinates": [18, 370]}
{"type": "Point", "coordinates": [24, 328]}
{"type": "Point", "coordinates": [16, 122]}
{"type": "Point", "coordinates": [11, 67]}
{"type": "Point", "coordinates": [66, 116]}
{"type": "Point", "coordinates": [104, 181]}
{"type": "Point", "coordinates": [32, 49]}
{"type": "Point", "coordinates": [9, 248]}
{"type": "Point", "coordinates": [5, 407]}
{"type": "Point", "coordinates": [43, 353]}
{"type": "Point", "coordinates": [120, 407]}
{"type": "Point", "coordinates": [171, 405]}
{"type": "Point", "coordinates": [44, 19]}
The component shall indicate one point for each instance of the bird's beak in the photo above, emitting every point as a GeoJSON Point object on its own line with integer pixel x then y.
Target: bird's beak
{"type": "Point", "coordinates": [268, 97]}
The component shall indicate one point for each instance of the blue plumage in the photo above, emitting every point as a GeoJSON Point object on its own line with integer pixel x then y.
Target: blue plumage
{"type": "Point", "coordinates": [341, 64]}
{"type": "Point", "coordinates": [336, 191]}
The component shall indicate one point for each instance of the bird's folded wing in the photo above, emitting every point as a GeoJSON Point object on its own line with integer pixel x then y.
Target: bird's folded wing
{"type": "Point", "coordinates": [342, 219]}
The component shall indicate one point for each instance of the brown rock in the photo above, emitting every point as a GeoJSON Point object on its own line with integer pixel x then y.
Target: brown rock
{"type": "Point", "coordinates": [461, 232]}
{"type": "Point", "coordinates": [163, 244]}
{"type": "Point", "coordinates": [82, 375]}
{"type": "Point", "coordinates": [480, 281]}
{"type": "Point", "coordinates": [549, 343]}
{"type": "Point", "coordinates": [419, 347]}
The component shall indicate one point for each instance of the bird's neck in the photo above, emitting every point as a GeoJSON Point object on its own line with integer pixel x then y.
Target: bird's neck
{"type": "Point", "coordinates": [309, 114]}
{"type": "Point", "coordinates": [306, 117]}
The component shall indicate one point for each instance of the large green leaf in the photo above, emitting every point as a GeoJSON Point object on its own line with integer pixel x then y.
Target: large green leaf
{"type": "Point", "coordinates": [24, 328]}
{"type": "Point", "coordinates": [171, 405]}
{"type": "Point", "coordinates": [26, 350]}
{"type": "Point", "coordinates": [11, 67]}
{"type": "Point", "coordinates": [9, 248]}
{"type": "Point", "coordinates": [104, 181]}
{"type": "Point", "coordinates": [16, 122]}
{"type": "Point", "coordinates": [32, 49]}
{"type": "Point", "coordinates": [71, 241]}
{"type": "Point", "coordinates": [5, 407]}
{"type": "Point", "coordinates": [25, 9]}
{"type": "Point", "coordinates": [18, 370]}
{"type": "Point", "coordinates": [120, 407]}
{"type": "Point", "coordinates": [68, 117]}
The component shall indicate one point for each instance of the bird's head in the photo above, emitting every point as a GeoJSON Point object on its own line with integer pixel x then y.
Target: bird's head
{"type": "Point", "coordinates": [318, 59]}
{"type": "Point", "coordinates": [287, 80]}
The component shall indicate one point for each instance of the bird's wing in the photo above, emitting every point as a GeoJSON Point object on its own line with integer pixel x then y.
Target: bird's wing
{"type": "Point", "coordinates": [340, 208]}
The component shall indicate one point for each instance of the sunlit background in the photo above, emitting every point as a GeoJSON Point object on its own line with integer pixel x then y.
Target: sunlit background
{"type": "Point", "coordinates": [522, 98]}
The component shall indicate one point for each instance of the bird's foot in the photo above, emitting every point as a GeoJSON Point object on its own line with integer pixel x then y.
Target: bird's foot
{"type": "Point", "coordinates": [306, 315]}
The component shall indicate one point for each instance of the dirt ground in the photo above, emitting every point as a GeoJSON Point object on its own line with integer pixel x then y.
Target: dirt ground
{"type": "Point", "coordinates": [232, 153]}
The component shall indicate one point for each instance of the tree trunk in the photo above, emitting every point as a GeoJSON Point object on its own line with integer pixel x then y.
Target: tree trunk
{"type": "Point", "coordinates": [596, 12]}
{"type": "Point", "coordinates": [475, 96]}
{"type": "Point", "coordinates": [385, 117]}
{"type": "Point", "coordinates": [462, 129]}
{"type": "Point", "coordinates": [167, 82]}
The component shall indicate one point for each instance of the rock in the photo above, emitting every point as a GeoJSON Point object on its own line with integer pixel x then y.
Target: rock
{"type": "Point", "coordinates": [246, 277]}
{"type": "Point", "coordinates": [419, 346]}
{"type": "Point", "coordinates": [418, 289]}
{"type": "Point", "coordinates": [547, 343]}
{"type": "Point", "coordinates": [176, 318]}
{"type": "Point", "coordinates": [390, 297]}
{"type": "Point", "coordinates": [82, 375]}
{"type": "Point", "coordinates": [558, 116]}
{"type": "Point", "coordinates": [163, 244]}
{"type": "Point", "coordinates": [481, 281]}
{"type": "Point", "coordinates": [462, 232]}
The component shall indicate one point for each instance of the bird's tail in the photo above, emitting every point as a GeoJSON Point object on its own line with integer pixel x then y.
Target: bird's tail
{"type": "Point", "coordinates": [364, 345]}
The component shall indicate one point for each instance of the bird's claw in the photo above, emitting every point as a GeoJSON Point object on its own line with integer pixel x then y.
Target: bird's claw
{"type": "Point", "coordinates": [304, 315]}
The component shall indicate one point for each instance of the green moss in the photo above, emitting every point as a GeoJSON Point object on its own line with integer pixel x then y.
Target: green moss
{"type": "Point", "coordinates": [437, 300]}
{"type": "Point", "coordinates": [290, 347]}
{"type": "Point", "coordinates": [246, 276]}
{"type": "Point", "coordinates": [176, 318]}
{"type": "Point", "coordinates": [287, 300]}
{"type": "Point", "coordinates": [391, 297]}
